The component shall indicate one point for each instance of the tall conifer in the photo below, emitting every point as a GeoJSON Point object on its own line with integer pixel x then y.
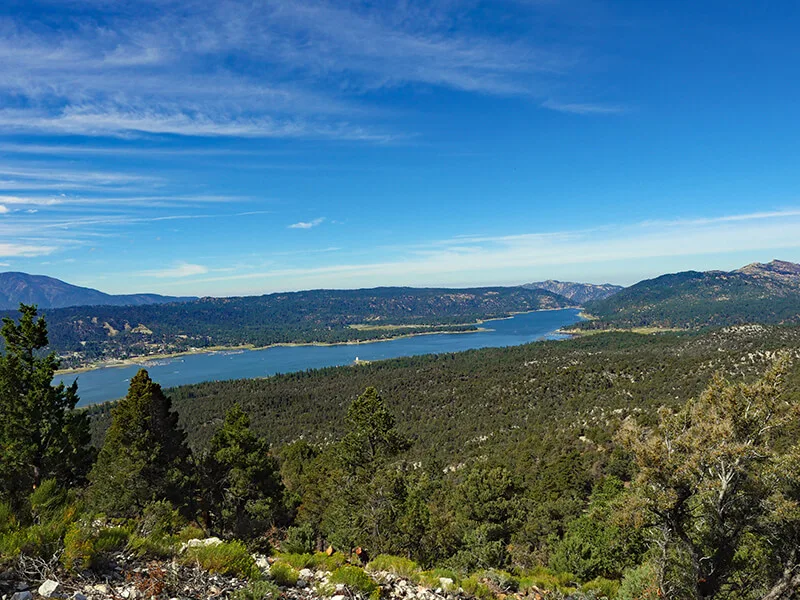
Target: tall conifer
{"type": "Point", "coordinates": [144, 455]}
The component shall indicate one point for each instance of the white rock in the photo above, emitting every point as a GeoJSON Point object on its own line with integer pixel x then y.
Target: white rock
{"type": "Point", "coordinates": [101, 588]}
{"type": "Point", "coordinates": [261, 562]}
{"type": "Point", "coordinates": [306, 574]}
{"type": "Point", "coordinates": [445, 582]}
{"type": "Point", "coordinates": [49, 588]}
{"type": "Point", "coordinates": [339, 587]}
{"type": "Point", "coordinates": [26, 595]}
{"type": "Point", "coordinates": [212, 541]}
{"type": "Point", "coordinates": [338, 597]}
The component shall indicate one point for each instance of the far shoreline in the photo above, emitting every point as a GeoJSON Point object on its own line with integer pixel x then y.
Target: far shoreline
{"type": "Point", "coordinates": [139, 360]}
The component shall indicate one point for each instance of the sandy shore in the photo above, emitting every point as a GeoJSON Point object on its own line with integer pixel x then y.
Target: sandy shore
{"type": "Point", "coordinates": [138, 360]}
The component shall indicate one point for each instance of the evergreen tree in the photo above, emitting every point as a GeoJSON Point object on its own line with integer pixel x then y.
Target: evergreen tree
{"type": "Point", "coordinates": [364, 494]}
{"type": "Point", "coordinates": [719, 480]}
{"type": "Point", "coordinates": [41, 435]}
{"type": "Point", "coordinates": [144, 455]}
{"type": "Point", "coordinates": [371, 436]}
{"type": "Point", "coordinates": [244, 492]}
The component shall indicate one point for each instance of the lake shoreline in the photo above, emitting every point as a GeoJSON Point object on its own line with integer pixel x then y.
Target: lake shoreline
{"type": "Point", "coordinates": [143, 360]}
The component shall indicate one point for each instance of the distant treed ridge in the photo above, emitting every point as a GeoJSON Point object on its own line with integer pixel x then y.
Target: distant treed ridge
{"type": "Point", "coordinates": [81, 335]}
{"type": "Point", "coordinates": [757, 293]}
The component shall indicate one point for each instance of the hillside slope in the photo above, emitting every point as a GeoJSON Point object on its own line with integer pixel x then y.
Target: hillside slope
{"type": "Point", "coordinates": [758, 293]}
{"type": "Point", "coordinates": [47, 292]}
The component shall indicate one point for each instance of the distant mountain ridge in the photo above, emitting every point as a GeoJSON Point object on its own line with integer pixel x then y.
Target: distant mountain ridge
{"type": "Point", "coordinates": [757, 293]}
{"type": "Point", "coordinates": [48, 292]}
{"type": "Point", "coordinates": [579, 293]}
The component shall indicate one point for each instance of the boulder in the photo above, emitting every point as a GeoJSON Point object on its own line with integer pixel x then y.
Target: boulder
{"type": "Point", "coordinates": [212, 541]}
{"type": "Point", "coordinates": [306, 574]}
{"type": "Point", "coordinates": [102, 588]}
{"type": "Point", "coordinates": [49, 589]}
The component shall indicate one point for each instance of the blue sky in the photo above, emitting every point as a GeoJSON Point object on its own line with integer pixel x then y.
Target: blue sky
{"type": "Point", "coordinates": [241, 147]}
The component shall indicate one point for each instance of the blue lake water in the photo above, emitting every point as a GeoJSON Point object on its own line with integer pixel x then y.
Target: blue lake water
{"type": "Point", "coordinates": [109, 383]}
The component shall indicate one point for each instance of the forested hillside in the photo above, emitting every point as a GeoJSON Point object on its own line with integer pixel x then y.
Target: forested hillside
{"type": "Point", "coordinates": [757, 293]}
{"type": "Point", "coordinates": [469, 404]}
{"type": "Point", "coordinates": [89, 334]}
{"type": "Point", "coordinates": [601, 467]}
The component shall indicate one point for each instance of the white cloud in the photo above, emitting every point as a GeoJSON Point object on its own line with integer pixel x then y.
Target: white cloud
{"type": "Point", "coordinates": [24, 250]}
{"type": "Point", "coordinates": [494, 258]}
{"type": "Point", "coordinates": [578, 108]}
{"type": "Point", "coordinates": [181, 269]}
{"type": "Point", "coordinates": [307, 224]}
{"type": "Point", "coordinates": [3, 209]}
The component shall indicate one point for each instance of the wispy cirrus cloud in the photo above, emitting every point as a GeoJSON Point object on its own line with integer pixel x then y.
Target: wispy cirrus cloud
{"type": "Point", "coordinates": [179, 270]}
{"type": "Point", "coordinates": [269, 68]}
{"type": "Point", "coordinates": [307, 224]}
{"type": "Point", "coordinates": [579, 108]}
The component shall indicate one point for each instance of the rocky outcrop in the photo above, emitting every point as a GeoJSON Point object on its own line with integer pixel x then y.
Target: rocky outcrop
{"type": "Point", "coordinates": [130, 578]}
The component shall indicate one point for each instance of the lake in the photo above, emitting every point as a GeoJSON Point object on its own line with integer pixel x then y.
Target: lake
{"type": "Point", "coordinates": [109, 383]}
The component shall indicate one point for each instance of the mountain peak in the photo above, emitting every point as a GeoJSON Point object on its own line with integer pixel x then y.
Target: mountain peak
{"type": "Point", "coordinates": [577, 292]}
{"type": "Point", "coordinates": [779, 271]}
{"type": "Point", "coordinates": [48, 292]}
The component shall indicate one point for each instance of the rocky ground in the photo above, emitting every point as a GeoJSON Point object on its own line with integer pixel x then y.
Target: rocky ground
{"type": "Point", "coordinates": [127, 577]}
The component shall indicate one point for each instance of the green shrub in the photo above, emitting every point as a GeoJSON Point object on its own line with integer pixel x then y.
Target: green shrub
{"type": "Point", "coordinates": [397, 565]}
{"type": "Point", "coordinates": [8, 521]}
{"type": "Point", "coordinates": [300, 540]}
{"type": "Point", "coordinates": [639, 584]}
{"type": "Point", "coordinates": [432, 578]}
{"type": "Point", "coordinates": [298, 561]}
{"type": "Point", "coordinates": [602, 587]}
{"type": "Point", "coordinates": [190, 532]}
{"type": "Point", "coordinates": [85, 548]}
{"type": "Point", "coordinates": [501, 579]}
{"type": "Point", "coordinates": [47, 500]}
{"type": "Point", "coordinates": [160, 519]}
{"type": "Point", "coordinates": [227, 558]}
{"type": "Point", "coordinates": [546, 579]}
{"type": "Point", "coordinates": [283, 574]}
{"type": "Point", "coordinates": [323, 562]}
{"type": "Point", "coordinates": [154, 545]}
{"type": "Point", "coordinates": [111, 539]}
{"type": "Point", "coordinates": [354, 579]}
{"type": "Point", "coordinates": [79, 548]}
{"type": "Point", "coordinates": [471, 585]}
{"type": "Point", "coordinates": [258, 590]}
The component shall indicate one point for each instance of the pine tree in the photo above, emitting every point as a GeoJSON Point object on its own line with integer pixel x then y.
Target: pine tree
{"type": "Point", "coordinates": [244, 493]}
{"type": "Point", "coordinates": [41, 435]}
{"type": "Point", "coordinates": [719, 481]}
{"type": "Point", "coordinates": [144, 456]}
{"type": "Point", "coordinates": [371, 437]}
